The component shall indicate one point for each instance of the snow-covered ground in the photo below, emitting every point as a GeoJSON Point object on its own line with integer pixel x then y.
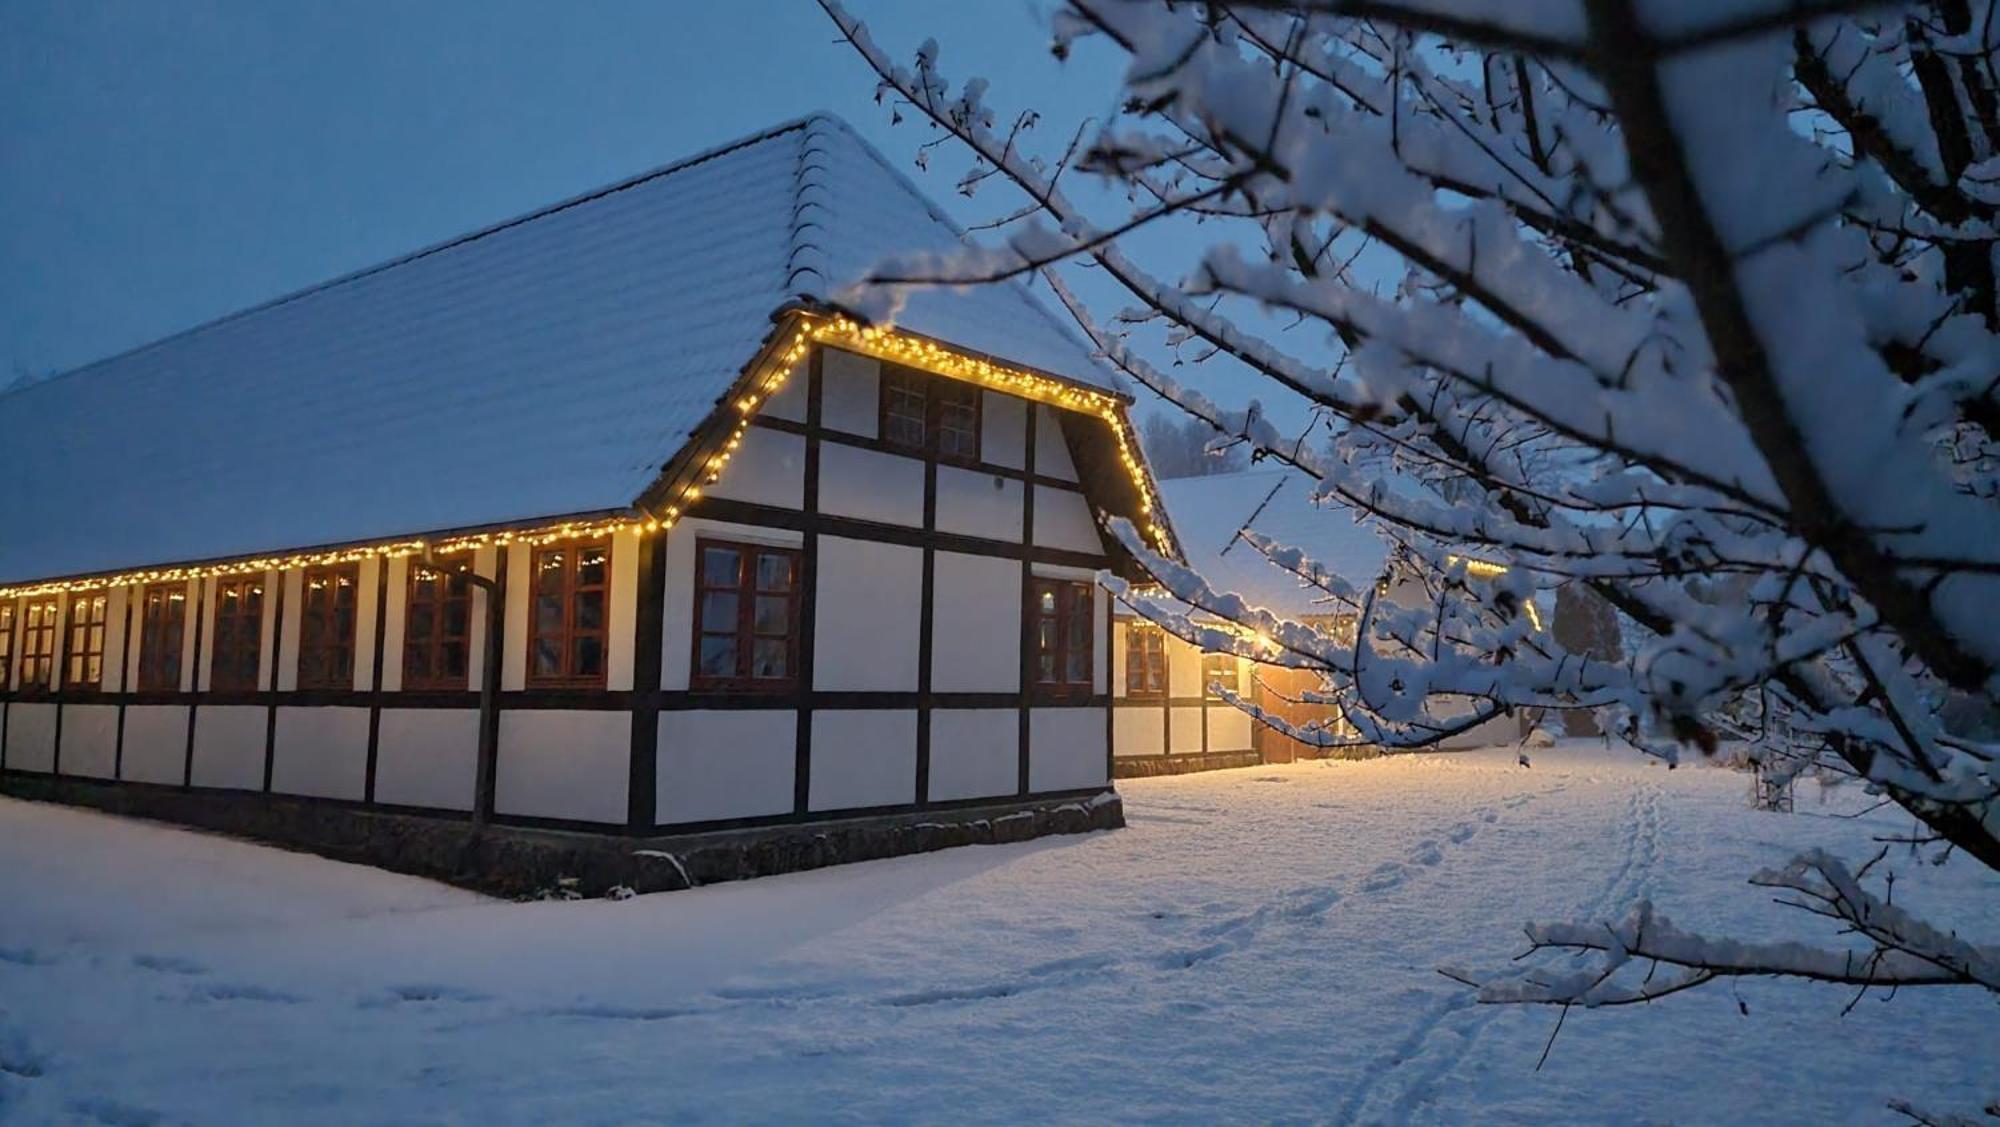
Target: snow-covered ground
{"type": "Point", "coordinates": [1259, 944]}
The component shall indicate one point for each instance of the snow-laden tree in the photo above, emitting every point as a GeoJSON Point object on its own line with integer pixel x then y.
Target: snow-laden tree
{"type": "Point", "coordinates": [1179, 446]}
{"type": "Point", "coordinates": [1690, 302]}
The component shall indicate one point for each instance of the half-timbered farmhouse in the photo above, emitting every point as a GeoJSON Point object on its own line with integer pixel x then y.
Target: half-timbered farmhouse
{"type": "Point", "coordinates": [715, 556]}
{"type": "Point", "coordinates": [1169, 715]}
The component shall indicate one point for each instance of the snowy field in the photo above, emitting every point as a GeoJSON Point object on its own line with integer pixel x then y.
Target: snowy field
{"type": "Point", "coordinates": [1259, 945]}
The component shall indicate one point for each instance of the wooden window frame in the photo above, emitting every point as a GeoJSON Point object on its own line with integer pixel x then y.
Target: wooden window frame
{"type": "Point", "coordinates": [235, 619]}
{"type": "Point", "coordinates": [77, 654]}
{"type": "Point", "coordinates": [1233, 677]}
{"type": "Point", "coordinates": [1068, 594]}
{"type": "Point", "coordinates": [568, 633]}
{"type": "Point", "coordinates": [746, 589]}
{"type": "Point", "coordinates": [162, 643]}
{"type": "Point", "coordinates": [451, 586]}
{"type": "Point", "coordinates": [331, 638]}
{"type": "Point", "coordinates": [9, 610]}
{"type": "Point", "coordinates": [934, 391]}
{"type": "Point", "coordinates": [1155, 639]}
{"type": "Point", "coordinates": [38, 662]}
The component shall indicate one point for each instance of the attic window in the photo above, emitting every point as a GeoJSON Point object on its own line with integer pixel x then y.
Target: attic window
{"type": "Point", "coordinates": [1145, 662]}
{"type": "Point", "coordinates": [567, 624]}
{"type": "Point", "coordinates": [746, 634]}
{"type": "Point", "coordinates": [85, 652]}
{"type": "Point", "coordinates": [327, 628]}
{"type": "Point", "coordinates": [931, 415]}
{"type": "Point", "coordinates": [162, 626]}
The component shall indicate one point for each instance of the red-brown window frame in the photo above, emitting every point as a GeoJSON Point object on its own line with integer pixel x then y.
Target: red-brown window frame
{"type": "Point", "coordinates": [84, 640]}
{"type": "Point", "coordinates": [239, 633]}
{"type": "Point", "coordinates": [325, 620]}
{"type": "Point", "coordinates": [747, 590]}
{"type": "Point", "coordinates": [569, 633]}
{"type": "Point", "coordinates": [450, 586]}
{"type": "Point", "coordinates": [1069, 594]}
{"type": "Point", "coordinates": [161, 640]}
{"type": "Point", "coordinates": [38, 661]}
{"type": "Point", "coordinates": [1145, 648]}
{"type": "Point", "coordinates": [8, 612]}
{"type": "Point", "coordinates": [933, 391]}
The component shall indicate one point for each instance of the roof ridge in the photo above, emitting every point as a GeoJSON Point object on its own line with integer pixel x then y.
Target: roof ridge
{"type": "Point", "coordinates": [801, 122]}
{"type": "Point", "coordinates": [806, 266]}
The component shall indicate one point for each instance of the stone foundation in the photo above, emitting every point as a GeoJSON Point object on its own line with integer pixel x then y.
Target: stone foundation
{"type": "Point", "coordinates": [520, 862]}
{"type": "Point", "coordinates": [1147, 766]}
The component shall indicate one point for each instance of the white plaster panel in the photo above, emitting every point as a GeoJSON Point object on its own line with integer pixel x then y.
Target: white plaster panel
{"type": "Point", "coordinates": [1228, 728]}
{"type": "Point", "coordinates": [863, 758]}
{"type": "Point", "coordinates": [1065, 749]}
{"type": "Point", "coordinates": [975, 753]}
{"type": "Point", "coordinates": [867, 615]}
{"type": "Point", "coordinates": [1003, 430]}
{"type": "Point", "coordinates": [1183, 669]}
{"type": "Point", "coordinates": [677, 629]}
{"type": "Point", "coordinates": [321, 752]}
{"type": "Point", "coordinates": [197, 605]}
{"type": "Point", "coordinates": [625, 548]}
{"type": "Point", "coordinates": [114, 638]}
{"type": "Point", "coordinates": [31, 737]}
{"type": "Point", "coordinates": [156, 744]}
{"type": "Point", "coordinates": [288, 633]}
{"type": "Point", "coordinates": [366, 607]}
{"type": "Point", "coordinates": [484, 561]}
{"type": "Point", "coordinates": [131, 642]}
{"type": "Point", "coordinates": [1139, 729]}
{"type": "Point", "coordinates": [395, 627]}
{"type": "Point", "coordinates": [267, 662]}
{"type": "Point", "coordinates": [228, 746]}
{"type": "Point", "coordinates": [789, 401]}
{"type": "Point", "coordinates": [514, 633]}
{"type": "Point", "coordinates": [976, 624]}
{"type": "Point", "coordinates": [1185, 735]}
{"type": "Point", "coordinates": [768, 468]}
{"type": "Point", "coordinates": [1063, 520]}
{"type": "Point", "coordinates": [716, 765]}
{"type": "Point", "coordinates": [971, 503]}
{"type": "Point", "coordinates": [564, 764]}
{"type": "Point", "coordinates": [89, 740]}
{"type": "Point", "coordinates": [61, 655]}
{"type": "Point", "coordinates": [203, 612]}
{"type": "Point", "coordinates": [869, 485]}
{"type": "Point", "coordinates": [849, 392]}
{"type": "Point", "coordinates": [427, 757]}
{"type": "Point", "coordinates": [1051, 448]}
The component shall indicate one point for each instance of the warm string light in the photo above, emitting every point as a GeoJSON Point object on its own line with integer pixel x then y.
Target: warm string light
{"type": "Point", "coordinates": [882, 344]}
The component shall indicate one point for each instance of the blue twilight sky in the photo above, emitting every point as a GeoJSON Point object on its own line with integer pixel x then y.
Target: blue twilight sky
{"type": "Point", "coordinates": [168, 163]}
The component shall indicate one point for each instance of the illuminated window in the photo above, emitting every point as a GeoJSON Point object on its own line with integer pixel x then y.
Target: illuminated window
{"type": "Point", "coordinates": [38, 642]}
{"type": "Point", "coordinates": [162, 626]}
{"type": "Point", "coordinates": [6, 645]}
{"type": "Point", "coordinates": [1062, 611]}
{"type": "Point", "coordinates": [239, 634]}
{"type": "Point", "coordinates": [566, 620]}
{"type": "Point", "coordinates": [746, 633]}
{"type": "Point", "coordinates": [930, 414]}
{"type": "Point", "coordinates": [1220, 670]}
{"type": "Point", "coordinates": [1145, 662]}
{"type": "Point", "coordinates": [84, 654]}
{"type": "Point", "coordinates": [327, 627]}
{"type": "Point", "coordinates": [437, 628]}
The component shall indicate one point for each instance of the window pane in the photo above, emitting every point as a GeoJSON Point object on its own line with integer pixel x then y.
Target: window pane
{"type": "Point", "coordinates": [1046, 599]}
{"type": "Point", "coordinates": [1047, 666]}
{"type": "Point", "coordinates": [455, 618]}
{"type": "Point", "coordinates": [589, 654]}
{"type": "Point", "coordinates": [417, 663]}
{"type": "Point", "coordinates": [1079, 667]}
{"type": "Point", "coordinates": [452, 661]}
{"type": "Point", "coordinates": [590, 564]}
{"type": "Point", "coordinates": [774, 572]}
{"type": "Point", "coordinates": [718, 610]}
{"type": "Point", "coordinates": [550, 568]}
{"type": "Point", "coordinates": [719, 567]}
{"type": "Point", "coordinates": [774, 614]}
{"type": "Point", "coordinates": [770, 658]}
{"type": "Point", "coordinates": [1045, 635]}
{"type": "Point", "coordinates": [547, 657]}
{"type": "Point", "coordinates": [419, 627]}
{"type": "Point", "coordinates": [589, 610]}
{"type": "Point", "coordinates": [718, 656]}
{"type": "Point", "coordinates": [548, 614]}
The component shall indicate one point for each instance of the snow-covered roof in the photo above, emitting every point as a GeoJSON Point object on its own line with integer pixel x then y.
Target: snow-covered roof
{"type": "Point", "coordinates": [544, 366]}
{"type": "Point", "coordinates": [1209, 511]}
